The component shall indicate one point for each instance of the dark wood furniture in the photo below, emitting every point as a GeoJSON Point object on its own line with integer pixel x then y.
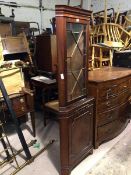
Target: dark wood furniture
{"type": "Point", "coordinates": [111, 88]}
{"type": "Point", "coordinates": [22, 103]}
{"type": "Point", "coordinates": [45, 56]}
{"type": "Point", "coordinates": [5, 29]}
{"type": "Point", "coordinates": [13, 76]}
{"type": "Point", "coordinates": [122, 58]}
{"type": "Point", "coordinates": [75, 108]}
{"type": "Point", "coordinates": [44, 89]}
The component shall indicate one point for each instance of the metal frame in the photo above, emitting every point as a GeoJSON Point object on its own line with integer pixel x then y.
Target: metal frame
{"type": "Point", "coordinates": [13, 115]}
{"type": "Point", "coordinates": [6, 145]}
{"type": "Point", "coordinates": [81, 3]}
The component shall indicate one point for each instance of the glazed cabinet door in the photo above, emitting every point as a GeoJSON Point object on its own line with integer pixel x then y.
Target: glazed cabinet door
{"type": "Point", "coordinates": [75, 61]}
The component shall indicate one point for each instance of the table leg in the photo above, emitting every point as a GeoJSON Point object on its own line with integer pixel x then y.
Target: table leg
{"type": "Point", "coordinates": [33, 123]}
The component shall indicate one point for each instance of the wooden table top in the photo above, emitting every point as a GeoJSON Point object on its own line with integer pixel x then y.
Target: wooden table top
{"type": "Point", "coordinates": [108, 74]}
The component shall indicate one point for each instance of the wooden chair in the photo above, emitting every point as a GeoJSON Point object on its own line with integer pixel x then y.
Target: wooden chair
{"type": "Point", "coordinates": [108, 36]}
{"type": "Point", "coordinates": [127, 23]}
{"type": "Point", "coordinates": [101, 56]}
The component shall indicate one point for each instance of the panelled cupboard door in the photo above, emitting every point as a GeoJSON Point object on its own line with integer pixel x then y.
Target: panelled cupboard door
{"type": "Point", "coordinates": [76, 133]}
{"type": "Point", "coordinates": [80, 135]}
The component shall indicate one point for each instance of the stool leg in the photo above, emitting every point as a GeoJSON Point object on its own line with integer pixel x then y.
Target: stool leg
{"type": "Point", "coordinates": [33, 123]}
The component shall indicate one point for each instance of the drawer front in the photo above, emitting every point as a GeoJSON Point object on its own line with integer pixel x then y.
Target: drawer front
{"type": "Point", "coordinates": [111, 130]}
{"type": "Point", "coordinates": [19, 105]}
{"type": "Point", "coordinates": [111, 89]}
{"type": "Point", "coordinates": [113, 102]}
{"type": "Point", "coordinates": [84, 108]}
{"type": "Point", "coordinates": [111, 115]}
{"type": "Point", "coordinates": [88, 109]}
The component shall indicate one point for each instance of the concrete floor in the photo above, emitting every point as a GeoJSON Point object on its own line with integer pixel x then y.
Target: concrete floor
{"type": "Point", "coordinates": [48, 163]}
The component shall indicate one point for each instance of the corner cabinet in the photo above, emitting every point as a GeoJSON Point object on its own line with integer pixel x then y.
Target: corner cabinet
{"type": "Point", "coordinates": [111, 88]}
{"type": "Point", "coordinates": [75, 107]}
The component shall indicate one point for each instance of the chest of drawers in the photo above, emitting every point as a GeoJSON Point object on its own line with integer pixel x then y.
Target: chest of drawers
{"type": "Point", "coordinates": [22, 103]}
{"type": "Point", "coordinates": [111, 88]}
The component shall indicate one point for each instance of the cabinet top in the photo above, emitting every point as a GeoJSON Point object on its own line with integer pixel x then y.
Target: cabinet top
{"type": "Point", "coordinates": [73, 12]}
{"type": "Point", "coordinates": [108, 74]}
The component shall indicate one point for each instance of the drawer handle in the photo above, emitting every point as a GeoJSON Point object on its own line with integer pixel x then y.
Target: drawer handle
{"type": "Point", "coordinates": [115, 85]}
{"type": "Point", "coordinates": [108, 93]}
{"type": "Point", "coordinates": [22, 100]}
{"type": "Point", "coordinates": [110, 117]}
{"type": "Point", "coordinates": [108, 104]}
{"type": "Point", "coordinates": [125, 86]}
{"type": "Point", "coordinates": [109, 90]}
{"type": "Point", "coordinates": [129, 100]}
{"type": "Point", "coordinates": [22, 109]}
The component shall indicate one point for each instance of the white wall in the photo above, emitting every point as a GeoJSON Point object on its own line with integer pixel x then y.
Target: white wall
{"type": "Point", "coordinates": [29, 14]}
{"type": "Point", "coordinates": [123, 5]}
{"type": "Point", "coordinates": [47, 15]}
{"type": "Point", "coordinates": [87, 4]}
{"type": "Point", "coordinates": [23, 14]}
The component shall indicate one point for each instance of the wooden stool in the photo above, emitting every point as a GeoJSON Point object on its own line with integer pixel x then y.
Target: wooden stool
{"type": "Point", "coordinates": [52, 106]}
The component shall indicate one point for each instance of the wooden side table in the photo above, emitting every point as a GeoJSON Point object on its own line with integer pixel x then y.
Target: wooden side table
{"type": "Point", "coordinates": [42, 85]}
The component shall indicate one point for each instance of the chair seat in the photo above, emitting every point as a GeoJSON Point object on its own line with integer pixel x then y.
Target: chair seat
{"type": "Point", "coordinates": [103, 59]}
{"type": "Point", "coordinates": [53, 105]}
{"type": "Point", "coordinates": [112, 44]}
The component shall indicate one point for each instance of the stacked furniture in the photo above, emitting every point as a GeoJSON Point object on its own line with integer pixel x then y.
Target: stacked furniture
{"type": "Point", "coordinates": [15, 65]}
{"type": "Point", "coordinates": [111, 88]}
{"type": "Point", "coordinates": [107, 37]}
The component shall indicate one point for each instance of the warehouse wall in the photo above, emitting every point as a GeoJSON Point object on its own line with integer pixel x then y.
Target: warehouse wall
{"type": "Point", "coordinates": [22, 13]}
{"type": "Point", "coordinates": [29, 14]}
{"type": "Point", "coordinates": [51, 4]}
{"type": "Point", "coordinates": [47, 14]}
{"type": "Point", "coordinates": [123, 5]}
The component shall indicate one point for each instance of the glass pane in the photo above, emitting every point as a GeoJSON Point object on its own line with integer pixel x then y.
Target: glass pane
{"type": "Point", "coordinates": [75, 60]}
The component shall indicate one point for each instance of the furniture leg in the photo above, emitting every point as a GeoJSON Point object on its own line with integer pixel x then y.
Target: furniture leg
{"type": "Point", "coordinates": [5, 147]}
{"type": "Point", "coordinates": [111, 56]}
{"type": "Point", "coordinates": [101, 57]}
{"type": "Point", "coordinates": [33, 123]}
{"type": "Point", "coordinates": [13, 115]}
{"type": "Point", "coordinates": [93, 52]}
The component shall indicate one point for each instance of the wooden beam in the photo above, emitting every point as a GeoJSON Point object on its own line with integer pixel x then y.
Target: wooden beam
{"type": "Point", "coordinates": [81, 5]}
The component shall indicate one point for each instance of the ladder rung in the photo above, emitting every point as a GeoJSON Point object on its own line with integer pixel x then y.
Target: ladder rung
{"type": "Point", "coordinates": [4, 150]}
